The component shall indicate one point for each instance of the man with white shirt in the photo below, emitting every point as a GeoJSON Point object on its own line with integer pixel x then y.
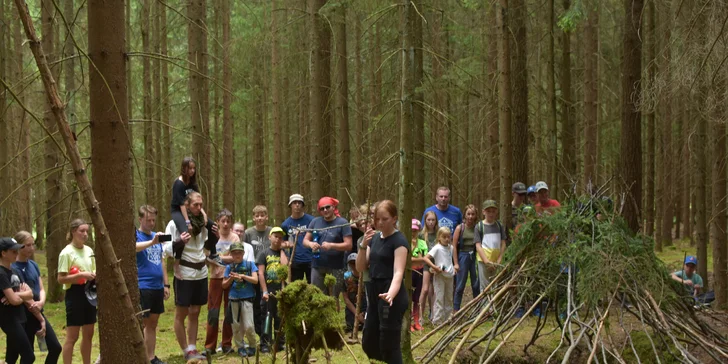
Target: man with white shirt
{"type": "Point", "coordinates": [190, 277]}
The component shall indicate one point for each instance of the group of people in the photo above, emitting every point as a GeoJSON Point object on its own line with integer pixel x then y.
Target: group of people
{"type": "Point", "coordinates": [221, 264]}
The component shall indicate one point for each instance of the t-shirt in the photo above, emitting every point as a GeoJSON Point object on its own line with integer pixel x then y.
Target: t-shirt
{"type": "Point", "coordinates": [270, 259]}
{"type": "Point", "coordinates": [418, 252]}
{"type": "Point", "coordinates": [490, 236]}
{"type": "Point", "coordinates": [442, 257]}
{"type": "Point", "coordinates": [350, 285]}
{"type": "Point", "coordinates": [193, 252]}
{"type": "Point", "coordinates": [82, 258]}
{"type": "Point", "coordinates": [258, 239]}
{"type": "Point", "coordinates": [30, 274]}
{"type": "Point", "coordinates": [466, 244]}
{"type": "Point", "coordinates": [333, 259]}
{"type": "Point", "coordinates": [303, 254]}
{"type": "Point", "coordinates": [9, 278]}
{"type": "Point", "coordinates": [381, 254]}
{"type": "Point", "coordinates": [431, 239]}
{"type": "Point", "coordinates": [695, 278]}
{"type": "Point", "coordinates": [241, 289]}
{"type": "Point", "coordinates": [149, 263]}
{"type": "Point", "coordinates": [449, 218]}
{"type": "Point", "coordinates": [551, 203]}
{"type": "Point", "coordinates": [223, 249]}
{"type": "Point", "coordinates": [179, 192]}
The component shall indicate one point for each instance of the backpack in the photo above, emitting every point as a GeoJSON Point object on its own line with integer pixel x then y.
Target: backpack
{"type": "Point", "coordinates": [481, 230]}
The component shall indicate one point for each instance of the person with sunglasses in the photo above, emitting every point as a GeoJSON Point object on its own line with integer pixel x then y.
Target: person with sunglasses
{"type": "Point", "coordinates": [330, 240]}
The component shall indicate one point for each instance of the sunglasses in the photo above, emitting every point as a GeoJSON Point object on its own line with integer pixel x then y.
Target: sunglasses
{"type": "Point", "coordinates": [324, 208]}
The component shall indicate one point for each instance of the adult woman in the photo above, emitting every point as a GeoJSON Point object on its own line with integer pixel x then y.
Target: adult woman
{"type": "Point", "coordinates": [76, 266]}
{"type": "Point", "coordinates": [464, 250]}
{"type": "Point", "coordinates": [182, 186]}
{"type": "Point", "coordinates": [429, 235]}
{"type": "Point", "coordinates": [386, 257]}
{"type": "Point", "coordinates": [30, 273]}
{"type": "Point", "coordinates": [14, 294]}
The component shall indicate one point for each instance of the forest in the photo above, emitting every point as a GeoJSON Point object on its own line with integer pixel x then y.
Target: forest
{"type": "Point", "coordinates": [362, 100]}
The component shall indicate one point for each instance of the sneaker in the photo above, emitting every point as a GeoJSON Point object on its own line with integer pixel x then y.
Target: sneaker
{"type": "Point", "coordinates": [209, 353]}
{"type": "Point", "coordinates": [215, 259]}
{"type": "Point", "coordinates": [418, 327]}
{"type": "Point", "coordinates": [281, 348]}
{"type": "Point", "coordinates": [251, 351]}
{"type": "Point", "coordinates": [226, 349]}
{"type": "Point", "coordinates": [242, 352]}
{"type": "Point", "coordinates": [219, 349]}
{"type": "Point", "coordinates": [193, 355]}
{"type": "Point", "coordinates": [264, 349]}
{"type": "Point", "coordinates": [156, 361]}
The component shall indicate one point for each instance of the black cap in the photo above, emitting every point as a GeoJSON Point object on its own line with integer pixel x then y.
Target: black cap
{"type": "Point", "coordinates": [519, 187]}
{"type": "Point", "coordinates": [9, 244]}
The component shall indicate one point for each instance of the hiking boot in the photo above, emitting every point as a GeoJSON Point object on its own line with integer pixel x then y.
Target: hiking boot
{"type": "Point", "coordinates": [251, 351]}
{"type": "Point", "coordinates": [209, 353]}
{"type": "Point", "coordinates": [242, 352]}
{"type": "Point", "coordinates": [156, 361]}
{"type": "Point", "coordinates": [193, 355]}
{"type": "Point", "coordinates": [216, 260]}
{"type": "Point", "coordinates": [264, 349]}
{"type": "Point", "coordinates": [226, 349]}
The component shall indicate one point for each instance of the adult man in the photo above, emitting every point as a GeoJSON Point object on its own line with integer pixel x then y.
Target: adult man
{"type": "Point", "coordinates": [692, 281]}
{"type": "Point", "coordinates": [153, 280]}
{"type": "Point", "coordinates": [190, 278]}
{"type": "Point", "coordinates": [301, 264]}
{"type": "Point", "coordinates": [334, 240]}
{"type": "Point", "coordinates": [545, 204]}
{"type": "Point", "coordinates": [447, 215]}
{"type": "Point", "coordinates": [518, 190]}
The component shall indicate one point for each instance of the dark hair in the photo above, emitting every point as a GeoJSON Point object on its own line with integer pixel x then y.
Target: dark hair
{"type": "Point", "coordinates": [147, 209]}
{"type": "Point", "coordinates": [190, 181]}
{"type": "Point", "coordinates": [75, 224]}
{"type": "Point", "coordinates": [224, 213]}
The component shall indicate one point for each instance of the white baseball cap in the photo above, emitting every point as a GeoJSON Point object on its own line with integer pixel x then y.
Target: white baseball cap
{"type": "Point", "coordinates": [295, 197]}
{"type": "Point", "coordinates": [541, 185]}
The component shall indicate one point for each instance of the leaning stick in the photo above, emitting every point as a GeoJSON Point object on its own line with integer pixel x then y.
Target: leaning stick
{"type": "Point", "coordinates": [360, 285]}
{"type": "Point", "coordinates": [293, 254]}
{"type": "Point", "coordinates": [348, 347]}
{"type": "Point", "coordinates": [108, 256]}
{"type": "Point", "coordinates": [601, 324]}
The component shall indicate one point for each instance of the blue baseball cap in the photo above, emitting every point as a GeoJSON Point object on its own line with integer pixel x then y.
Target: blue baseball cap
{"type": "Point", "coordinates": [691, 259]}
{"type": "Point", "coordinates": [531, 189]}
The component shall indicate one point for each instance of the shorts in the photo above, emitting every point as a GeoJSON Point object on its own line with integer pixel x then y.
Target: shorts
{"type": "Point", "coordinates": [190, 292]}
{"type": "Point", "coordinates": [152, 300]}
{"type": "Point", "coordinates": [79, 311]}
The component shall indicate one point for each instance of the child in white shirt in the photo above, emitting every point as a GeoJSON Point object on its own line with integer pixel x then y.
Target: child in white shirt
{"type": "Point", "coordinates": [441, 256]}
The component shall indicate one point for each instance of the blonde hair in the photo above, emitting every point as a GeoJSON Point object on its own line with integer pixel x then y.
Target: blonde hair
{"type": "Point", "coordinates": [21, 236]}
{"type": "Point", "coordinates": [75, 224]}
{"type": "Point", "coordinates": [443, 232]}
{"type": "Point", "coordinates": [471, 207]}
{"type": "Point", "coordinates": [260, 209]}
{"type": "Point", "coordinates": [425, 231]}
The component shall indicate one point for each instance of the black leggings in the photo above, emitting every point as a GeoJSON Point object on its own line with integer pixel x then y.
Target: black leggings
{"type": "Point", "coordinates": [383, 324]}
{"type": "Point", "coordinates": [179, 222]}
{"type": "Point", "coordinates": [31, 327]}
{"type": "Point", "coordinates": [17, 341]}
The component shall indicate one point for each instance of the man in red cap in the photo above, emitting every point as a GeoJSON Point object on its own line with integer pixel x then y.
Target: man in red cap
{"type": "Point", "coordinates": [330, 240]}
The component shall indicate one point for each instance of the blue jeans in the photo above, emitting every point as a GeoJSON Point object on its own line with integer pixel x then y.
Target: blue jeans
{"type": "Point", "coordinates": [466, 261]}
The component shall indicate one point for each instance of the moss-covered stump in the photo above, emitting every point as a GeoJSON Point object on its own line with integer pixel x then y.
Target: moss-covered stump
{"type": "Point", "coordinates": [302, 304]}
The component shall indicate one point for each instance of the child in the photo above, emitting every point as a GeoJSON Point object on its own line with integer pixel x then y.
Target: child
{"type": "Point", "coordinates": [490, 241]}
{"type": "Point", "coordinates": [444, 270]}
{"type": "Point", "coordinates": [182, 186]}
{"type": "Point", "coordinates": [350, 288]}
{"type": "Point", "coordinates": [419, 258]}
{"type": "Point", "coordinates": [268, 262]}
{"type": "Point", "coordinates": [240, 277]}
{"type": "Point", "coordinates": [14, 294]}
{"type": "Point", "coordinates": [428, 234]}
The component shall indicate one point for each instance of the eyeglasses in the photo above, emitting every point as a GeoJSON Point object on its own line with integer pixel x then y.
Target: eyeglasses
{"type": "Point", "coordinates": [324, 208]}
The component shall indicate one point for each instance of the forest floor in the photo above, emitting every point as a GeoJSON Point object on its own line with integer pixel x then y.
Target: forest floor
{"type": "Point", "coordinates": [168, 350]}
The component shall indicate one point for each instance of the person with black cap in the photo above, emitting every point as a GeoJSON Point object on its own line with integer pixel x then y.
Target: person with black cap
{"type": "Point", "coordinates": [15, 294]}
{"type": "Point", "coordinates": [519, 192]}
{"type": "Point", "coordinates": [76, 267]}
{"type": "Point", "coordinates": [301, 264]}
{"type": "Point", "coordinates": [36, 324]}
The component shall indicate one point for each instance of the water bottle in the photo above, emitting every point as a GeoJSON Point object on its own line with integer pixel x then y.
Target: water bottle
{"type": "Point", "coordinates": [317, 252]}
{"type": "Point", "coordinates": [42, 344]}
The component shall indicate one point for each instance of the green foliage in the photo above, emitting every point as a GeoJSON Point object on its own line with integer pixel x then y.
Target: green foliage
{"type": "Point", "coordinates": [282, 272]}
{"type": "Point", "coordinates": [329, 280]}
{"type": "Point", "coordinates": [572, 17]}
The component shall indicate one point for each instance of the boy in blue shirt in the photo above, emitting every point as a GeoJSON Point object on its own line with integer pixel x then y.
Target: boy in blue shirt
{"type": "Point", "coordinates": [240, 277]}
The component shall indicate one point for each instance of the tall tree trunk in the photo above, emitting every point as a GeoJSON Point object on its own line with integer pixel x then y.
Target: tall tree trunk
{"type": "Point", "coordinates": [305, 164]}
{"type": "Point", "coordinates": [320, 35]}
{"type": "Point", "coordinates": [553, 153]}
{"type": "Point", "coordinates": [55, 222]}
{"type": "Point", "coordinates": [259, 147]}
{"type": "Point", "coordinates": [406, 142]}
{"type": "Point", "coordinates": [591, 92]}
{"type": "Point", "coordinates": [359, 168]}
{"type": "Point", "coordinates": [720, 220]}
{"type": "Point", "coordinates": [21, 144]}
{"type": "Point", "coordinates": [649, 208]}
{"type": "Point", "coordinates": [699, 158]}
{"type": "Point", "coordinates": [199, 112]}
{"type": "Point", "coordinates": [280, 201]}
{"type": "Point", "coordinates": [69, 80]}
{"type": "Point", "coordinates": [688, 208]}
{"type": "Point", "coordinates": [493, 97]}
{"type": "Point", "coordinates": [157, 112]}
{"type": "Point", "coordinates": [4, 134]}
{"type": "Point", "coordinates": [149, 178]}
{"type": "Point", "coordinates": [418, 115]}
{"type": "Point", "coordinates": [568, 124]}
{"type": "Point", "coordinates": [504, 110]}
{"type": "Point", "coordinates": [342, 102]}
{"type": "Point", "coordinates": [169, 169]}
{"type": "Point", "coordinates": [631, 134]}
{"type": "Point", "coordinates": [667, 186]}
{"type": "Point", "coordinates": [120, 336]}
{"type": "Point", "coordinates": [437, 122]}
{"type": "Point", "coordinates": [228, 161]}
{"type": "Point", "coordinates": [520, 92]}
